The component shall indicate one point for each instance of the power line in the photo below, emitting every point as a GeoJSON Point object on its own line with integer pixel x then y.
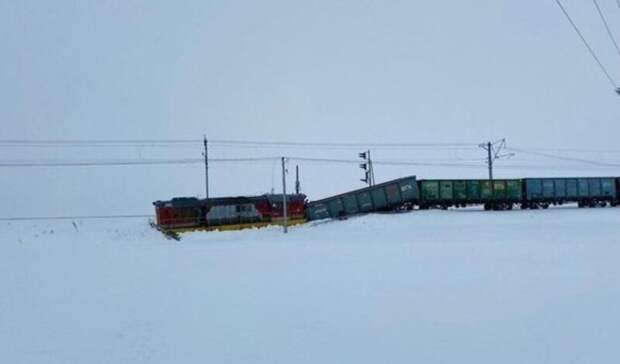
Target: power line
{"type": "Point", "coordinates": [97, 163]}
{"type": "Point", "coordinates": [456, 162]}
{"type": "Point", "coordinates": [247, 144]}
{"type": "Point", "coordinates": [613, 83]}
{"type": "Point", "coordinates": [220, 143]}
{"type": "Point", "coordinates": [338, 144]}
{"type": "Point", "coordinates": [100, 141]}
{"type": "Point", "coordinates": [451, 165]}
{"type": "Point", "coordinates": [87, 217]}
{"type": "Point", "coordinates": [552, 156]}
{"type": "Point", "coordinates": [340, 147]}
{"type": "Point", "coordinates": [128, 162]}
{"type": "Point", "coordinates": [383, 162]}
{"type": "Point", "coordinates": [576, 150]}
{"type": "Point", "coordinates": [258, 144]}
{"type": "Point", "coordinates": [554, 167]}
{"type": "Point", "coordinates": [97, 145]}
{"type": "Point", "coordinates": [609, 33]}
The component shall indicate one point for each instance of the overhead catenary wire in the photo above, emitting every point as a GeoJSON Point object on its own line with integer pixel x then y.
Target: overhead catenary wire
{"type": "Point", "coordinates": [454, 162]}
{"type": "Point", "coordinates": [96, 145]}
{"type": "Point", "coordinates": [384, 162]}
{"type": "Point", "coordinates": [341, 144]}
{"type": "Point", "coordinates": [570, 159]}
{"type": "Point", "coordinates": [247, 144]}
{"type": "Point", "coordinates": [446, 162]}
{"type": "Point", "coordinates": [218, 143]}
{"type": "Point", "coordinates": [585, 42]}
{"type": "Point", "coordinates": [340, 147]}
{"type": "Point", "coordinates": [609, 33]}
{"type": "Point", "coordinates": [128, 162]}
{"type": "Point", "coordinates": [575, 150]}
{"type": "Point", "coordinates": [99, 141]}
{"type": "Point", "coordinates": [103, 162]}
{"type": "Point", "coordinates": [77, 217]}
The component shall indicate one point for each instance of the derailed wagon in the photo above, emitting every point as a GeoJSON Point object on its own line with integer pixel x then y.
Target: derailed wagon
{"type": "Point", "coordinates": [397, 194]}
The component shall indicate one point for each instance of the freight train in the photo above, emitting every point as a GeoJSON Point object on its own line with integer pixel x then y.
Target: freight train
{"type": "Point", "coordinates": [407, 193]}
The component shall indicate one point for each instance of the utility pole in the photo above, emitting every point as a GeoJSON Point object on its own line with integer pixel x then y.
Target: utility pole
{"type": "Point", "coordinates": [297, 184]}
{"type": "Point", "coordinates": [284, 209]}
{"type": "Point", "coordinates": [206, 155]}
{"type": "Point", "coordinates": [493, 153]}
{"type": "Point", "coordinates": [490, 160]}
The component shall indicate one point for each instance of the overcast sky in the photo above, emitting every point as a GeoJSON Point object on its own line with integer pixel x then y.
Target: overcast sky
{"type": "Point", "coordinates": [320, 71]}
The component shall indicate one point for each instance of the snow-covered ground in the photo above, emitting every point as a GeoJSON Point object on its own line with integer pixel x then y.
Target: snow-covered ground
{"type": "Point", "coordinates": [458, 286]}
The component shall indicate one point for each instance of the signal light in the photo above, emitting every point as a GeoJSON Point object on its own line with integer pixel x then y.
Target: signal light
{"type": "Point", "coordinates": [367, 167]}
{"type": "Point", "coordinates": [365, 179]}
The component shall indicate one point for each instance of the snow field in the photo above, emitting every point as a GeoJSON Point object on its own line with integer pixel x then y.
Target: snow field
{"type": "Point", "coordinates": [431, 287]}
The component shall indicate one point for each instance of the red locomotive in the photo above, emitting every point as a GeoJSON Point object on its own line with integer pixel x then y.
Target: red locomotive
{"type": "Point", "coordinates": [227, 213]}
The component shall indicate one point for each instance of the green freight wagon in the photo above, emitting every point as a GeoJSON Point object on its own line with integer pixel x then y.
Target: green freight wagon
{"type": "Point", "coordinates": [382, 197]}
{"type": "Point", "coordinates": [586, 191]}
{"type": "Point", "coordinates": [494, 194]}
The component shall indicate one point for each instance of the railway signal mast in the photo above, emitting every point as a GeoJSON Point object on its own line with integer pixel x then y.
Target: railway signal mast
{"type": "Point", "coordinates": [369, 173]}
{"type": "Point", "coordinates": [494, 150]}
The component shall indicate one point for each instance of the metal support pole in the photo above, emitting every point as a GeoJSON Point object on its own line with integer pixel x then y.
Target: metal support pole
{"type": "Point", "coordinates": [284, 209]}
{"type": "Point", "coordinates": [206, 155]}
{"type": "Point", "coordinates": [490, 152]}
{"type": "Point", "coordinates": [494, 150]}
{"type": "Point", "coordinates": [371, 169]}
{"type": "Point", "coordinates": [297, 184]}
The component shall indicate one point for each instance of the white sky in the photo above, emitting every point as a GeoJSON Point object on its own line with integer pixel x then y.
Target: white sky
{"type": "Point", "coordinates": [321, 71]}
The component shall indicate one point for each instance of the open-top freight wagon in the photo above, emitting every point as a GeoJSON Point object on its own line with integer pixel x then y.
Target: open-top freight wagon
{"type": "Point", "coordinates": [396, 194]}
{"type": "Point", "coordinates": [497, 194]}
{"type": "Point", "coordinates": [589, 191]}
